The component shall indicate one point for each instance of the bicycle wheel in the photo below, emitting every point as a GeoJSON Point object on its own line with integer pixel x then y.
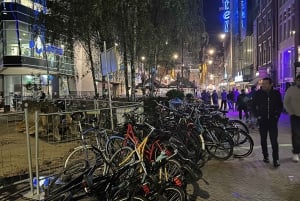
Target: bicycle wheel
{"type": "Point", "coordinates": [122, 156]}
{"type": "Point", "coordinates": [169, 170]}
{"type": "Point", "coordinates": [171, 193]}
{"type": "Point", "coordinates": [239, 124]}
{"type": "Point", "coordinates": [89, 154]}
{"type": "Point", "coordinates": [138, 198]}
{"type": "Point", "coordinates": [113, 144]}
{"type": "Point", "coordinates": [243, 144]}
{"type": "Point", "coordinates": [65, 185]}
{"type": "Point", "coordinates": [219, 144]}
{"type": "Point", "coordinates": [81, 153]}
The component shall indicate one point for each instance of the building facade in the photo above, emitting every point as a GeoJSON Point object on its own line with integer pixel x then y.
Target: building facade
{"type": "Point", "coordinates": [288, 42]}
{"type": "Point", "coordinates": [29, 63]}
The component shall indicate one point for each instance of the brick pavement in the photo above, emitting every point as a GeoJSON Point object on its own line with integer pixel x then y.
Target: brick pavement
{"type": "Point", "coordinates": [250, 179]}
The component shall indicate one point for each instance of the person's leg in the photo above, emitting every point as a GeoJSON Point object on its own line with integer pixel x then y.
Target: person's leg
{"type": "Point", "coordinates": [240, 113]}
{"type": "Point", "coordinates": [263, 131]}
{"type": "Point", "coordinates": [225, 104]}
{"type": "Point", "coordinates": [273, 130]}
{"type": "Point", "coordinates": [246, 113]}
{"type": "Point", "coordinates": [295, 127]}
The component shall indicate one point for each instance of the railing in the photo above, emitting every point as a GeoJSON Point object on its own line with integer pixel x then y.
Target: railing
{"type": "Point", "coordinates": [35, 144]}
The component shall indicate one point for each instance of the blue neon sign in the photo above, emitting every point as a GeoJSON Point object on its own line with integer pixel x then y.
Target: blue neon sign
{"type": "Point", "coordinates": [243, 18]}
{"type": "Point", "coordinates": [226, 15]}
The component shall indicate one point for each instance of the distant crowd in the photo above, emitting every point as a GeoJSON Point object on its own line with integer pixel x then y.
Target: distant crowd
{"type": "Point", "coordinates": [233, 100]}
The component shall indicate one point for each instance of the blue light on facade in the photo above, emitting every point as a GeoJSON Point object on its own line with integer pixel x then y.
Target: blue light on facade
{"type": "Point", "coordinates": [226, 15]}
{"type": "Point", "coordinates": [243, 18]}
{"type": "Point", "coordinates": [40, 6]}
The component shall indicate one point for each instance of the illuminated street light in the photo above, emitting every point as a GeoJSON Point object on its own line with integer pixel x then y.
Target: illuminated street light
{"type": "Point", "coordinates": [211, 51]}
{"type": "Point", "coordinates": [175, 56]}
{"type": "Point", "coordinates": [222, 36]}
{"type": "Point", "coordinates": [210, 62]}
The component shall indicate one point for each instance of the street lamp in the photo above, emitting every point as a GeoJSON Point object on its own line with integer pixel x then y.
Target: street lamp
{"type": "Point", "coordinates": [211, 51]}
{"type": "Point", "coordinates": [175, 56]}
{"type": "Point", "coordinates": [143, 59]}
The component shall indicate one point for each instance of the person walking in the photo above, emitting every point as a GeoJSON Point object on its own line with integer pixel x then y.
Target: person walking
{"type": "Point", "coordinates": [267, 107]}
{"type": "Point", "coordinates": [249, 105]}
{"type": "Point", "coordinates": [223, 100]}
{"type": "Point", "coordinates": [292, 106]}
{"type": "Point", "coordinates": [230, 100]}
{"type": "Point", "coordinates": [236, 94]}
{"type": "Point", "coordinates": [242, 101]}
{"type": "Point", "coordinates": [215, 98]}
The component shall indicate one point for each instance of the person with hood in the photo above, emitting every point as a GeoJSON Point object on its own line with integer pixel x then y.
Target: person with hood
{"type": "Point", "coordinates": [267, 107]}
{"type": "Point", "coordinates": [223, 100]}
{"type": "Point", "coordinates": [242, 104]}
{"type": "Point", "coordinates": [215, 98]}
{"type": "Point", "coordinates": [292, 106]}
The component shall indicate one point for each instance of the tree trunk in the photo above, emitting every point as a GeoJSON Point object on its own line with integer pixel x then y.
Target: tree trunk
{"type": "Point", "coordinates": [92, 67]}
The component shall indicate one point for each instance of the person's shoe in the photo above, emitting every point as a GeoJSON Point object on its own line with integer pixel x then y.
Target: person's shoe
{"type": "Point", "coordinates": [276, 164]}
{"type": "Point", "coordinates": [266, 160]}
{"type": "Point", "coordinates": [295, 158]}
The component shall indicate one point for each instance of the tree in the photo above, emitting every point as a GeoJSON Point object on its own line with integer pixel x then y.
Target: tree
{"type": "Point", "coordinates": [154, 28]}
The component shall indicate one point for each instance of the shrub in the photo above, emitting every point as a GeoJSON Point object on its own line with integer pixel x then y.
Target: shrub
{"type": "Point", "coordinates": [175, 94]}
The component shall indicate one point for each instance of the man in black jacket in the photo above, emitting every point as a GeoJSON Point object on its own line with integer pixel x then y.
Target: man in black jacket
{"type": "Point", "coordinates": [267, 107]}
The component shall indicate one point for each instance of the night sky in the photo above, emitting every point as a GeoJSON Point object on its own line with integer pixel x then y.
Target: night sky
{"type": "Point", "coordinates": [213, 18]}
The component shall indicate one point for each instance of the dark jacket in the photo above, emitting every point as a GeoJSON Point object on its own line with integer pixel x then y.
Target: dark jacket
{"type": "Point", "coordinates": [267, 105]}
{"type": "Point", "coordinates": [241, 101]}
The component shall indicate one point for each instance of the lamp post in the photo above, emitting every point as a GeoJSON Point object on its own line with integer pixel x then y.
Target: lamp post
{"type": "Point", "coordinates": [175, 57]}
{"type": "Point", "coordinates": [222, 38]}
{"type": "Point", "coordinates": [143, 76]}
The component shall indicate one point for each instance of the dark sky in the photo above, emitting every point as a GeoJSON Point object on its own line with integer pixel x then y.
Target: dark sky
{"type": "Point", "coordinates": [213, 16]}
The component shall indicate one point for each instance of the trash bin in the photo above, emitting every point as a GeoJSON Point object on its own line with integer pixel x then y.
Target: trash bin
{"type": "Point", "coordinates": [6, 108]}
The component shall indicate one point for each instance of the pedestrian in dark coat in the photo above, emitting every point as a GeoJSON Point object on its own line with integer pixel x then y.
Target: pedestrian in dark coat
{"type": "Point", "coordinates": [267, 107]}
{"type": "Point", "coordinates": [242, 101]}
{"type": "Point", "coordinates": [223, 100]}
{"type": "Point", "coordinates": [215, 98]}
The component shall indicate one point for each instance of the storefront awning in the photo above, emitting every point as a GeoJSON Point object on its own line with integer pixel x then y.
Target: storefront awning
{"type": "Point", "coordinates": [254, 81]}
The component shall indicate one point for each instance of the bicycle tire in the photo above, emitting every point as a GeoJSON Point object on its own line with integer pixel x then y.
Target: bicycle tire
{"type": "Point", "coordinates": [87, 153]}
{"type": "Point", "coordinates": [169, 170]}
{"type": "Point", "coordinates": [113, 144]}
{"type": "Point", "coordinates": [171, 193]}
{"type": "Point", "coordinates": [219, 144]}
{"type": "Point", "coordinates": [56, 190]}
{"type": "Point", "coordinates": [138, 198]}
{"type": "Point", "coordinates": [239, 124]}
{"type": "Point", "coordinates": [120, 155]}
{"type": "Point", "coordinates": [243, 144]}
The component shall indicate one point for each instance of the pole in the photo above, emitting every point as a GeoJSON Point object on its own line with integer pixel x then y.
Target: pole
{"type": "Point", "coordinates": [108, 87]}
{"type": "Point", "coordinates": [28, 148]}
{"type": "Point", "coordinates": [231, 38]}
{"type": "Point", "coordinates": [37, 153]}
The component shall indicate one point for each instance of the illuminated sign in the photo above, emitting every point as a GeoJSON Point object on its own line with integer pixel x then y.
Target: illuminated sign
{"type": "Point", "coordinates": [39, 6]}
{"type": "Point", "coordinates": [39, 48]}
{"type": "Point", "coordinates": [238, 78]}
{"type": "Point", "coordinates": [226, 15]}
{"type": "Point", "coordinates": [243, 18]}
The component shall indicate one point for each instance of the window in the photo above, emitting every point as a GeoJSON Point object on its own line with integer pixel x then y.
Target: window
{"type": "Point", "coordinates": [280, 33]}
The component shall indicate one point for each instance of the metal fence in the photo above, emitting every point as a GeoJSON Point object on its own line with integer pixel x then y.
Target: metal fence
{"type": "Point", "coordinates": [34, 143]}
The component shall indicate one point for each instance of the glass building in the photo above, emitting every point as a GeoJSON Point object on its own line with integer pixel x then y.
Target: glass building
{"type": "Point", "coordinates": [29, 63]}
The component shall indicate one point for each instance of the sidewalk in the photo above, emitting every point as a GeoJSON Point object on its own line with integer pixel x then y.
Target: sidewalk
{"type": "Point", "coordinates": [250, 179]}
